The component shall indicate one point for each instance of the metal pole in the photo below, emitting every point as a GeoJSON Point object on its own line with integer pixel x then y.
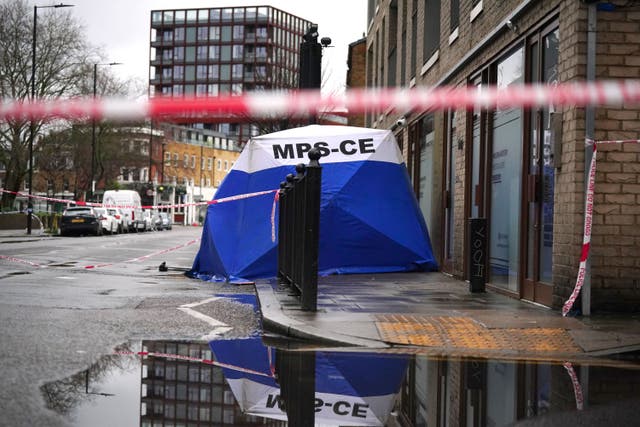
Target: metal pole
{"type": "Point", "coordinates": [32, 130]}
{"type": "Point", "coordinates": [590, 115]}
{"type": "Point", "coordinates": [93, 135]}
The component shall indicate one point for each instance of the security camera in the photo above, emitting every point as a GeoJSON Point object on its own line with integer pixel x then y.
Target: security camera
{"type": "Point", "coordinates": [401, 122]}
{"type": "Point", "coordinates": [325, 41]}
{"type": "Point", "coordinates": [512, 26]}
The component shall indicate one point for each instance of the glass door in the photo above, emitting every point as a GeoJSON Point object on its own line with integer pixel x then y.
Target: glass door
{"type": "Point", "coordinates": [543, 67]}
{"type": "Point", "coordinates": [505, 181]}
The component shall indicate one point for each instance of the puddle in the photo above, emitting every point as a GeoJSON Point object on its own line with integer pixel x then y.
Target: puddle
{"type": "Point", "coordinates": [243, 381]}
{"type": "Point", "coordinates": [270, 381]}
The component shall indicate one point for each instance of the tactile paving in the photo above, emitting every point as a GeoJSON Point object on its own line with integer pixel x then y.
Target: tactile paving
{"type": "Point", "coordinates": [464, 333]}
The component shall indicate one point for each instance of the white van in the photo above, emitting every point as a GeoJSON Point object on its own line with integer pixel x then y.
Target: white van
{"type": "Point", "coordinates": [128, 201]}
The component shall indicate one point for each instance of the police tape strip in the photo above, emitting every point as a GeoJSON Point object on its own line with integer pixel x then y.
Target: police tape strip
{"type": "Point", "coordinates": [21, 261]}
{"type": "Point", "coordinates": [179, 205]}
{"type": "Point", "coordinates": [192, 359]}
{"type": "Point", "coordinates": [588, 220]}
{"type": "Point", "coordinates": [277, 103]}
{"type": "Point", "coordinates": [577, 389]}
{"type": "Point", "coordinates": [163, 251]}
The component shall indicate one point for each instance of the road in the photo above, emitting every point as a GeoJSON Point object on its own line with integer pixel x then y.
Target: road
{"type": "Point", "coordinates": [67, 301]}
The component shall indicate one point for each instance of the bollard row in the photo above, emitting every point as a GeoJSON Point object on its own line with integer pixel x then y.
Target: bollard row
{"type": "Point", "coordinates": [298, 231]}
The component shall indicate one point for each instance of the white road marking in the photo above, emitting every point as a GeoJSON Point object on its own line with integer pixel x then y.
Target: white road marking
{"type": "Point", "coordinates": [220, 328]}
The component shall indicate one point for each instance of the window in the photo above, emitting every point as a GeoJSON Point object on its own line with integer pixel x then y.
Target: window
{"type": "Point", "coordinates": [201, 72]}
{"type": "Point", "coordinates": [219, 165]}
{"type": "Point", "coordinates": [214, 71]}
{"type": "Point", "coordinates": [185, 163]}
{"type": "Point", "coordinates": [167, 159]}
{"type": "Point", "coordinates": [237, 71]}
{"type": "Point", "coordinates": [209, 163]}
{"type": "Point", "coordinates": [226, 165]}
{"type": "Point", "coordinates": [178, 34]}
{"type": "Point", "coordinates": [189, 73]}
{"type": "Point", "coordinates": [214, 52]}
{"type": "Point", "coordinates": [214, 33]}
{"type": "Point", "coordinates": [193, 162]}
{"type": "Point", "coordinates": [178, 53]}
{"type": "Point", "coordinates": [431, 29]}
{"type": "Point", "coordinates": [178, 72]}
{"type": "Point", "coordinates": [454, 17]}
{"type": "Point", "coordinates": [191, 34]}
{"type": "Point", "coordinates": [203, 33]}
{"type": "Point", "coordinates": [167, 73]}
{"type": "Point", "coordinates": [175, 160]}
{"type": "Point", "coordinates": [202, 52]}
{"type": "Point", "coordinates": [202, 163]}
{"type": "Point", "coordinates": [238, 32]}
{"type": "Point", "coordinates": [237, 51]}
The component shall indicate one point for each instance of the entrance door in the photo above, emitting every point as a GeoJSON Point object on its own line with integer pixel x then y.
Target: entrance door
{"type": "Point", "coordinates": [537, 285]}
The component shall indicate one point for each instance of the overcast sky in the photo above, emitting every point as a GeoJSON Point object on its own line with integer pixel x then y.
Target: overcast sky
{"type": "Point", "coordinates": [121, 28]}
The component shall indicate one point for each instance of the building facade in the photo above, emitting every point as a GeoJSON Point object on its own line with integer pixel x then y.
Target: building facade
{"type": "Point", "coordinates": [222, 51]}
{"type": "Point", "coordinates": [523, 170]}
{"type": "Point", "coordinates": [356, 74]}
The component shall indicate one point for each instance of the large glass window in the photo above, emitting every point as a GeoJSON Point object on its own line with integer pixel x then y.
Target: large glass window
{"type": "Point", "coordinates": [178, 53]}
{"type": "Point", "coordinates": [202, 52]}
{"type": "Point", "coordinates": [203, 33]}
{"type": "Point", "coordinates": [506, 180]}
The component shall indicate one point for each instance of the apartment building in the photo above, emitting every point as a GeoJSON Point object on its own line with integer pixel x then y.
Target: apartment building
{"type": "Point", "coordinates": [227, 50]}
{"type": "Point", "coordinates": [523, 170]}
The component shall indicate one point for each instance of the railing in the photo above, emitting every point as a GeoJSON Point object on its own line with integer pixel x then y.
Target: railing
{"type": "Point", "coordinates": [298, 228]}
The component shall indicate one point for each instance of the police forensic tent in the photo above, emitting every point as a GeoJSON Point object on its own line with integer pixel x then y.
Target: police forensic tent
{"type": "Point", "coordinates": [370, 221]}
{"type": "Point", "coordinates": [351, 388]}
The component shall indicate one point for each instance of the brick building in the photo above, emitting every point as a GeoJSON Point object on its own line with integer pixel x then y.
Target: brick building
{"type": "Point", "coordinates": [521, 169]}
{"type": "Point", "coordinates": [356, 74]}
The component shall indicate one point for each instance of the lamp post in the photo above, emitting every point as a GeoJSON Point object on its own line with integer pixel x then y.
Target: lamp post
{"type": "Point", "coordinates": [33, 97]}
{"type": "Point", "coordinates": [93, 125]}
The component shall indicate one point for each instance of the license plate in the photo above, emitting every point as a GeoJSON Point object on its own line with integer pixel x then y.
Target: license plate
{"type": "Point", "coordinates": [77, 220]}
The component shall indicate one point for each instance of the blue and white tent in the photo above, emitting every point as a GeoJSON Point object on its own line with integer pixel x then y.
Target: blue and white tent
{"type": "Point", "coordinates": [370, 221]}
{"type": "Point", "coordinates": [350, 388]}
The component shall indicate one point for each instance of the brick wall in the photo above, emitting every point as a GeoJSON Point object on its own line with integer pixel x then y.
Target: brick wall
{"type": "Point", "coordinates": [356, 75]}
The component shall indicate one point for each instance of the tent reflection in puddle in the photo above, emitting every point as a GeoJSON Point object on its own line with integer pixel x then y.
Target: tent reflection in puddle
{"type": "Point", "coordinates": [350, 388]}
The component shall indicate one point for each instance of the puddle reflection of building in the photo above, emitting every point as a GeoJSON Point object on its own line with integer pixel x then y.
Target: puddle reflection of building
{"type": "Point", "coordinates": [184, 390]}
{"type": "Point", "coordinates": [478, 392]}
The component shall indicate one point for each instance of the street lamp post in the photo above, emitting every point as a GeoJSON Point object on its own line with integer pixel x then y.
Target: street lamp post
{"type": "Point", "coordinates": [93, 126]}
{"type": "Point", "coordinates": [33, 97]}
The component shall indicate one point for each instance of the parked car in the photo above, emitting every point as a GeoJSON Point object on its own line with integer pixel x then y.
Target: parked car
{"type": "Point", "coordinates": [166, 221]}
{"type": "Point", "coordinates": [108, 221]}
{"type": "Point", "coordinates": [80, 220]}
{"type": "Point", "coordinates": [117, 214]}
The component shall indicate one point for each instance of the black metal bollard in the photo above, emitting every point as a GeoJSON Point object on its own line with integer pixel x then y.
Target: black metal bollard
{"type": "Point", "coordinates": [298, 231]}
{"type": "Point", "coordinates": [311, 232]}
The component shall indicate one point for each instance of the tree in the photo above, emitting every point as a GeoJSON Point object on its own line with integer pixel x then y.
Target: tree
{"type": "Point", "coordinates": [60, 48]}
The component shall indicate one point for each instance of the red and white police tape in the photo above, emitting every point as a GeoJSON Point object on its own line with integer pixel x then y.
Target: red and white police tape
{"type": "Point", "coordinates": [274, 103]}
{"type": "Point", "coordinates": [179, 205]}
{"type": "Point", "coordinates": [163, 251]}
{"type": "Point", "coordinates": [577, 389]}
{"type": "Point", "coordinates": [192, 359]}
{"type": "Point", "coordinates": [21, 261]}
{"type": "Point", "coordinates": [588, 221]}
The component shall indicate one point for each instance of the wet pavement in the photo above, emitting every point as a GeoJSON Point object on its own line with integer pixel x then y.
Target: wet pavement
{"type": "Point", "coordinates": [435, 314]}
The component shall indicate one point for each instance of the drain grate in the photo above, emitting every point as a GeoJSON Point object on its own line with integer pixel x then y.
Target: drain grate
{"type": "Point", "coordinates": [463, 333]}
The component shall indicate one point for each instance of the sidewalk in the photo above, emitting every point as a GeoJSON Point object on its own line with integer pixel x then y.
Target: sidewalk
{"type": "Point", "coordinates": [431, 313]}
